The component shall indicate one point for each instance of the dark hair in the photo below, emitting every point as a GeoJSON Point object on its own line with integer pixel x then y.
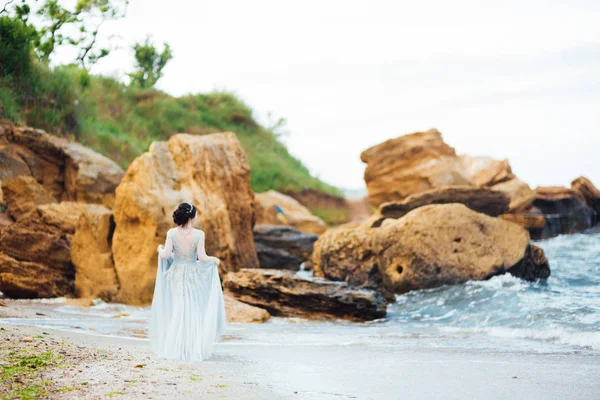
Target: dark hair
{"type": "Point", "coordinates": [184, 213]}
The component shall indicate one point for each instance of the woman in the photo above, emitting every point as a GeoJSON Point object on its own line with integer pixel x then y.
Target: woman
{"type": "Point", "coordinates": [188, 313]}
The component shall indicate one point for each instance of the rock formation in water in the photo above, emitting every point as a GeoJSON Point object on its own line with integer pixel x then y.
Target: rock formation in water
{"type": "Point", "coordinates": [238, 312]}
{"type": "Point", "coordinates": [422, 161]}
{"type": "Point", "coordinates": [282, 247]}
{"type": "Point", "coordinates": [210, 171]}
{"type": "Point", "coordinates": [428, 247]}
{"type": "Point", "coordinates": [293, 213]}
{"type": "Point", "coordinates": [284, 294]}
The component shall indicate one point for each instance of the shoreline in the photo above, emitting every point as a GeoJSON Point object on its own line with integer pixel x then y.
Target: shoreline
{"type": "Point", "coordinates": [245, 371]}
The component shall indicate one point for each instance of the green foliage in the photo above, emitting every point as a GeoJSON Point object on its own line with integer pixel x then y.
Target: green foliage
{"type": "Point", "coordinates": [149, 64]}
{"type": "Point", "coordinates": [16, 49]}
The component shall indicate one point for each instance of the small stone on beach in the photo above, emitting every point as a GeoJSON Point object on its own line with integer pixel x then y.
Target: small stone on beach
{"type": "Point", "coordinates": [27, 340]}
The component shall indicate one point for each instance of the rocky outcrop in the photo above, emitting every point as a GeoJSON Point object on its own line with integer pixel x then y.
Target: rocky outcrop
{"type": "Point", "coordinates": [347, 254]}
{"type": "Point", "coordinates": [271, 258]}
{"type": "Point", "coordinates": [283, 293]}
{"type": "Point", "coordinates": [334, 208]}
{"type": "Point", "coordinates": [23, 194]}
{"type": "Point", "coordinates": [565, 210]}
{"type": "Point", "coordinates": [588, 192]}
{"type": "Point", "coordinates": [428, 247]}
{"type": "Point", "coordinates": [274, 208]}
{"type": "Point", "coordinates": [486, 201]}
{"type": "Point", "coordinates": [446, 244]}
{"type": "Point", "coordinates": [95, 274]}
{"type": "Point", "coordinates": [239, 312]}
{"type": "Point", "coordinates": [67, 170]}
{"type": "Point", "coordinates": [533, 266]}
{"type": "Point", "coordinates": [22, 279]}
{"type": "Point", "coordinates": [533, 221]}
{"type": "Point", "coordinates": [422, 161]}
{"type": "Point", "coordinates": [291, 240]}
{"type": "Point", "coordinates": [411, 164]}
{"type": "Point", "coordinates": [520, 194]}
{"type": "Point", "coordinates": [210, 171]}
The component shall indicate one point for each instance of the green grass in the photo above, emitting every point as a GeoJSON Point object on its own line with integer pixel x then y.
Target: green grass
{"type": "Point", "coordinates": [20, 373]}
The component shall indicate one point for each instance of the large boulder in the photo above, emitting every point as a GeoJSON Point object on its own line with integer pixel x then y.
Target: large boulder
{"type": "Point", "coordinates": [482, 200]}
{"type": "Point", "coordinates": [411, 164]}
{"type": "Point", "coordinates": [95, 274]}
{"type": "Point", "coordinates": [23, 194]}
{"type": "Point", "coordinates": [272, 258]}
{"type": "Point", "coordinates": [422, 161]}
{"type": "Point", "coordinates": [347, 254]}
{"type": "Point", "coordinates": [274, 208]}
{"type": "Point", "coordinates": [533, 266]}
{"type": "Point", "coordinates": [529, 219]}
{"type": "Point", "coordinates": [520, 194]}
{"type": "Point", "coordinates": [293, 241]}
{"type": "Point", "coordinates": [26, 279]}
{"type": "Point", "coordinates": [565, 210]}
{"type": "Point", "coordinates": [586, 190]}
{"type": "Point", "coordinates": [67, 170]}
{"type": "Point", "coordinates": [285, 294]}
{"type": "Point", "coordinates": [236, 311]}
{"type": "Point", "coordinates": [210, 171]}
{"type": "Point", "coordinates": [446, 244]}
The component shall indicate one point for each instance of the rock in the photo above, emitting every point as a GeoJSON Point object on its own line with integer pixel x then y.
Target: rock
{"type": "Point", "coordinates": [293, 241]}
{"type": "Point", "coordinates": [446, 244]}
{"type": "Point", "coordinates": [411, 164]}
{"type": "Point", "coordinates": [284, 294]}
{"type": "Point", "coordinates": [5, 220]}
{"type": "Point", "coordinates": [485, 201]}
{"type": "Point", "coordinates": [210, 171]}
{"type": "Point", "coordinates": [586, 190]}
{"type": "Point", "coordinates": [23, 194]}
{"type": "Point", "coordinates": [95, 274]}
{"type": "Point", "coordinates": [27, 340]}
{"type": "Point", "coordinates": [271, 258]}
{"type": "Point", "coordinates": [520, 194]}
{"type": "Point", "coordinates": [237, 311]}
{"type": "Point", "coordinates": [64, 215]}
{"type": "Point", "coordinates": [485, 171]}
{"type": "Point", "coordinates": [534, 223]}
{"type": "Point", "coordinates": [67, 170]}
{"type": "Point", "coordinates": [565, 210]}
{"type": "Point", "coordinates": [347, 254]}
{"type": "Point", "coordinates": [24, 279]}
{"type": "Point", "coordinates": [292, 213]}
{"type": "Point", "coordinates": [533, 266]}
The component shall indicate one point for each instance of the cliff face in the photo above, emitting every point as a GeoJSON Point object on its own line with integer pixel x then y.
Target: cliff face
{"type": "Point", "coordinates": [211, 172]}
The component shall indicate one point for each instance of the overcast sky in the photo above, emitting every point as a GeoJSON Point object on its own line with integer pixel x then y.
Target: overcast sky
{"type": "Point", "coordinates": [516, 79]}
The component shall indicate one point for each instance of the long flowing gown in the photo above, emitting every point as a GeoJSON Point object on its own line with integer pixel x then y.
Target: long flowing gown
{"type": "Point", "coordinates": [188, 312]}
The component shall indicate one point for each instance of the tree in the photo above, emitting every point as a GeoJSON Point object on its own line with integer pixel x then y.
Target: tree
{"type": "Point", "coordinates": [149, 63]}
{"type": "Point", "coordinates": [57, 25]}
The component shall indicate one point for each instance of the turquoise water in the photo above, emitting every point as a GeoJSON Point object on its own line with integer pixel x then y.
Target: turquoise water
{"type": "Point", "coordinates": [561, 315]}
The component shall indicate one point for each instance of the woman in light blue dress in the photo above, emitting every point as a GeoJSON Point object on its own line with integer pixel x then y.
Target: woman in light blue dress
{"type": "Point", "coordinates": [188, 313]}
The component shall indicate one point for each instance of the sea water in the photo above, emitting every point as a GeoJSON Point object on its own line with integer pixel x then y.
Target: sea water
{"type": "Point", "coordinates": [503, 314]}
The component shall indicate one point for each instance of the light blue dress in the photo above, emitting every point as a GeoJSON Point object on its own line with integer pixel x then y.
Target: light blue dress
{"type": "Point", "coordinates": [188, 312]}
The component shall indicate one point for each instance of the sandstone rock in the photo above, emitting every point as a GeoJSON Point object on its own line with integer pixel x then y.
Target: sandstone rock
{"type": "Point", "coordinates": [287, 238]}
{"type": "Point", "coordinates": [210, 171]}
{"type": "Point", "coordinates": [347, 254]}
{"type": "Point", "coordinates": [565, 210]}
{"type": "Point", "coordinates": [586, 189]}
{"type": "Point", "coordinates": [485, 201]}
{"type": "Point", "coordinates": [411, 164]}
{"type": "Point", "coordinates": [64, 215]}
{"type": "Point", "coordinates": [95, 274]}
{"type": "Point", "coordinates": [239, 312]}
{"type": "Point", "coordinates": [485, 171]}
{"type": "Point", "coordinates": [446, 244]}
{"type": "Point", "coordinates": [294, 213]}
{"type": "Point", "coordinates": [520, 194]}
{"type": "Point", "coordinates": [534, 223]}
{"type": "Point", "coordinates": [68, 171]}
{"type": "Point", "coordinates": [24, 279]}
{"type": "Point", "coordinates": [5, 220]}
{"type": "Point", "coordinates": [23, 194]}
{"type": "Point", "coordinates": [284, 294]}
{"type": "Point", "coordinates": [533, 266]}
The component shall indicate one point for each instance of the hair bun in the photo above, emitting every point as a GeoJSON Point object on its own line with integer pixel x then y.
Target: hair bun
{"type": "Point", "coordinates": [184, 213]}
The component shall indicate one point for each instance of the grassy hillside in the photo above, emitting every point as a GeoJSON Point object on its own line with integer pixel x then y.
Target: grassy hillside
{"type": "Point", "coordinates": [121, 121]}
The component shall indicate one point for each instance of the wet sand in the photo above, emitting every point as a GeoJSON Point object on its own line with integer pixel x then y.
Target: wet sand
{"type": "Point", "coordinates": [246, 371]}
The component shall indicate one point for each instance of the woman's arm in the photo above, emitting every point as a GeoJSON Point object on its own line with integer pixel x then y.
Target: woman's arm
{"type": "Point", "coordinates": [202, 256]}
{"type": "Point", "coordinates": [165, 251]}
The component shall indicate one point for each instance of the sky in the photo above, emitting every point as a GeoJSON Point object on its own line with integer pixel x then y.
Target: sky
{"type": "Point", "coordinates": [516, 79]}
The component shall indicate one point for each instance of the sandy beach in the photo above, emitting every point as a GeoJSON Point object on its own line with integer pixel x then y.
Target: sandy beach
{"type": "Point", "coordinates": [100, 367]}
